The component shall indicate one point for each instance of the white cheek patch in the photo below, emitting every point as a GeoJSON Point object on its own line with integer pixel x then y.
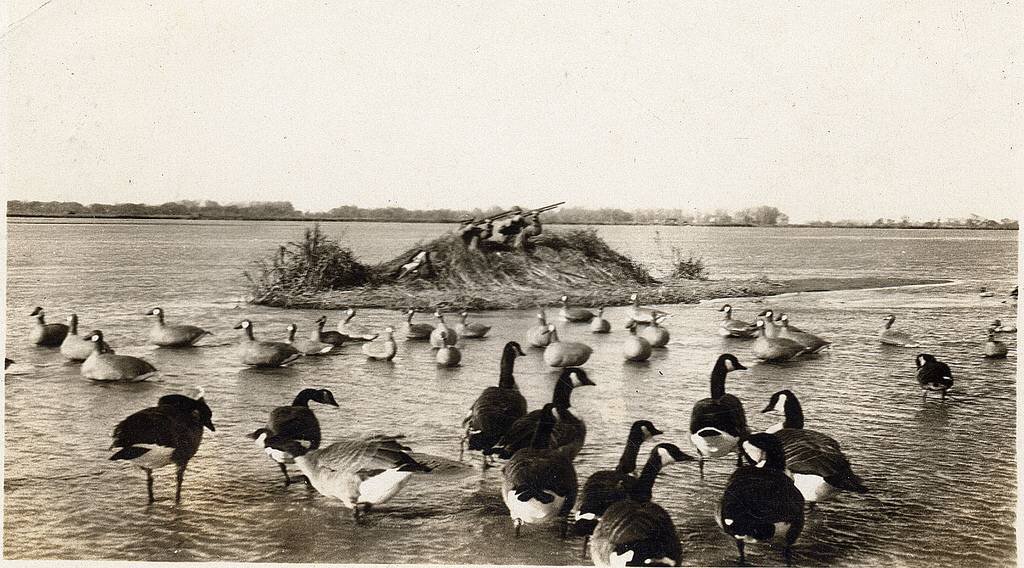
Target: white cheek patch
{"type": "Point", "coordinates": [728, 522]}
{"type": "Point", "coordinates": [666, 457]}
{"type": "Point", "coordinates": [782, 401]}
{"type": "Point", "coordinates": [729, 366]}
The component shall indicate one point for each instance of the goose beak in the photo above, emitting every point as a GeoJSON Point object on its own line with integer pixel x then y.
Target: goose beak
{"type": "Point", "coordinates": [209, 424]}
{"type": "Point", "coordinates": [656, 432]}
{"type": "Point", "coordinates": [768, 408]}
{"type": "Point", "coordinates": [740, 367]}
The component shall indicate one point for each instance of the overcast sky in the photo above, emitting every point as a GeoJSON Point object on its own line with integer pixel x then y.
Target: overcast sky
{"type": "Point", "coordinates": [860, 110]}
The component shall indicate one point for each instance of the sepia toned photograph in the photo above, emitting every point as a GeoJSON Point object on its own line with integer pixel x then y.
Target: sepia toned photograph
{"type": "Point", "coordinates": [511, 283]}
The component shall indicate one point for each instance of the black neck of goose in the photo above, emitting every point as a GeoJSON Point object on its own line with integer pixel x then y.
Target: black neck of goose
{"type": "Point", "coordinates": [542, 435]}
{"type": "Point", "coordinates": [794, 413]}
{"type": "Point", "coordinates": [775, 458]}
{"type": "Point", "coordinates": [408, 317]}
{"type": "Point", "coordinates": [645, 486]}
{"type": "Point", "coordinates": [563, 392]}
{"type": "Point", "coordinates": [248, 333]}
{"type": "Point", "coordinates": [718, 380]}
{"type": "Point", "coordinates": [73, 326]}
{"type": "Point", "coordinates": [303, 398]}
{"type": "Point", "coordinates": [627, 463]}
{"type": "Point", "coordinates": [291, 333]}
{"type": "Point", "coordinates": [508, 360]}
{"type": "Point", "coordinates": [160, 317]}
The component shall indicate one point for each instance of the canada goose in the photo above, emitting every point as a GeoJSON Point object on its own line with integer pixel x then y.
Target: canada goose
{"type": "Point", "coordinates": [321, 336]}
{"type": "Point", "coordinates": [442, 334]}
{"type": "Point", "coordinates": [46, 334]}
{"type": "Point", "coordinates": [634, 347]}
{"type": "Point", "coordinates": [889, 336]}
{"type": "Point", "coordinates": [599, 324]}
{"type": "Point", "coordinates": [103, 365]}
{"type": "Point", "coordinates": [570, 314]}
{"type": "Point", "coordinates": [994, 349]}
{"type": "Point", "coordinates": [448, 355]}
{"type": "Point", "coordinates": [294, 422]}
{"type": "Point", "coordinates": [565, 353]}
{"type": "Point", "coordinates": [264, 353]}
{"type": "Point", "coordinates": [640, 314]}
{"type": "Point", "coordinates": [1000, 328]}
{"type": "Point", "coordinates": [984, 293]}
{"type": "Point", "coordinates": [165, 434]}
{"type": "Point", "coordinates": [933, 375]}
{"type": "Point", "coordinates": [772, 349]}
{"type": "Point", "coordinates": [76, 347]}
{"type": "Point", "coordinates": [761, 504]}
{"type": "Point", "coordinates": [383, 350]}
{"type": "Point", "coordinates": [497, 408]}
{"type": "Point", "coordinates": [471, 329]}
{"type": "Point", "coordinates": [359, 472]}
{"type": "Point", "coordinates": [354, 331]}
{"type": "Point", "coordinates": [307, 346]}
{"type": "Point", "coordinates": [537, 335]}
{"type": "Point", "coordinates": [810, 342]}
{"type": "Point", "coordinates": [569, 432]}
{"type": "Point", "coordinates": [415, 330]}
{"type": "Point", "coordinates": [539, 483]}
{"type": "Point", "coordinates": [717, 423]}
{"type": "Point", "coordinates": [655, 334]}
{"type": "Point", "coordinates": [164, 335]}
{"type": "Point", "coordinates": [817, 464]}
{"type": "Point", "coordinates": [734, 328]}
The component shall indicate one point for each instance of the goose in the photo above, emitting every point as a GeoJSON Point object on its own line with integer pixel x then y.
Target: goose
{"type": "Point", "coordinates": [497, 408]}
{"type": "Point", "coordinates": [164, 335]}
{"type": "Point", "coordinates": [633, 531]}
{"type": "Point", "coordinates": [774, 349]}
{"type": "Point", "coordinates": [818, 466]}
{"type": "Point", "coordinates": [570, 432]}
{"type": "Point", "coordinates": [294, 422]}
{"type": "Point", "coordinates": [442, 334]}
{"type": "Point", "coordinates": [655, 334]}
{"type": "Point", "coordinates": [642, 315]}
{"type": "Point", "coordinates": [537, 335]}
{"type": "Point", "coordinates": [359, 472]}
{"type": "Point", "coordinates": [46, 334]}
{"type": "Point", "coordinates": [165, 434]}
{"type": "Point", "coordinates": [76, 347]}
{"type": "Point", "coordinates": [760, 503]}
{"type": "Point", "coordinates": [717, 423]}
{"type": "Point", "coordinates": [353, 331]}
{"type": "Point", "coordinates": [570, 314]}
{"type": "Point", "coordinates": [383, 350]}
{"type": "Point", "coordinates": [810, 342]}
{"type": "Point", "coordinates": [599, 324]}
{"type": "Point", "coordinates": [771, 329]}
{"type": "Point", "coordinates": [307, 346]}
{"type": "Point", "coordinates": [889, 336]}
{"type": "Point", "coordinates": [321, 336]}
{"type": "Point", "coordinates": [729, 327]}
{"type": "Point", "coordinates": [778, 322]}
{"type": "Point", "coordinates": [565, 353]}
{"type": "Point", "coordinates": [103, 365]}
{"type": "Point", "coordinates": [448, 355]}
{"type": "Point", "coordinates": [414, 331]}
{"type": "Point", "coordinates": [634, 347]}
{"type": "Point", "coordinates": [1000, 328]}
{"type": "Point", "coordinates": [264, 353]}
{"type": "Point", "coordinates": [8, 362]}
{"type": "Point", "coordinates": [607, 486]}
{"type": "Point", "coordinates": [471, 329]}
{"type": "Point", "coordinates": [933, 375]}
{"type": "Point", "coordinates": [539, 483]}
{"type": "Point", "coordinates": [994, 349]}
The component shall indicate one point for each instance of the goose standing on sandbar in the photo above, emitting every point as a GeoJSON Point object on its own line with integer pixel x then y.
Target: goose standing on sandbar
{"type": "Point", "coordinates": [354, 331]}
{"type": "Point", "coordinates": [537, 335]}
{"type": "Point", "coordinates": [810, 342]}
{"type": "Point", "coordinates": [294, 422]}
{"type": "Point", "coordinates": [889, 336]}
{"type": "Point", "coordinates": [415, 331]}
{"type": "Point", "coordinates": [635, 348]}
{"type": "Point", "coordinates": [321, 336]}
{"type": "Point", "coordinates": [993, 349]}
{"type": "Point", "coordinates": [932, 375]}
{"type": "Point", "coordinates": [442, 334]}
{"type": "Point", "coordinates": [163, 335]}
{"type": "Point", "coordinates": [571, 314]}
{"type": "Point", "coordinates": [448, 355]}
{"type": "Point", "coordinates": [104, 365]}
{"type": "Point", "coordinates": [717, 423]}
{"type": "Point", "coordinates": [640, 314]}
{"type": "Point", "coordinates": [76, 347]}
{"type": "Point", "coordinates": [383, 350]}
{"type": "Point", "coordinates": [46, 334]}
{"type": "Point", "coordinates": [774, 349]}
{"type": "Point", "coordinates": [565, 353]}
{"type": "Point", "coordinates": [496, 409]}
{"type": "Point", "coordinates": [599, 324]}
{"type": "Point", "coordinates": [264, 353]}
{"type": "Point", "coordinates": [472, 330]}
{"type": "Point", "coordinates": [730, 327]}
{"type": "Point", "coordinates": [307, 346]}
{"type": "Point", "coordinates": [656, 335]}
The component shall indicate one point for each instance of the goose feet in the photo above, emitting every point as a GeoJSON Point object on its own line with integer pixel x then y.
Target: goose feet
{"type": "Point", "coordinates": [700, 463]}
{"type": "Point", "coordinates": [586, 541]}
{"type": "Point", "coordinates": [149, 486]}
{"type": "Point", "coordinates": [178, 478]}
{"type": "Point", "coordinates": [739, 546]}
{"type": "Point", "coordinates": [563, 528]}
{"type": "Point", "coordinates": [787, 553]}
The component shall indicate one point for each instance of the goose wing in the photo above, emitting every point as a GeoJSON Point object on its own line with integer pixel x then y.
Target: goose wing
{"type": "Point", "coordinates": [492, 415]}
{"type": "Point", "coordinates": [812, 452]}
{"type": "Point", "coordinates": [602, 489]}
{"type": "Point", "coordinates": [295, 422]}
{"type": "Point", "coordinates": [518, 436]}
{"type": "Point", "coordinates": [532, 472]}
{"type": "Point", "coordinates": [148, 426]}
{"type": "Point", "coordinates": [725, 414]}
{"type": "Point", "coordinates": [756, 497]}
{"type": "Point", "coordinates": [364, 457]}
{"type": "Point", "coordinates": [643, 529]}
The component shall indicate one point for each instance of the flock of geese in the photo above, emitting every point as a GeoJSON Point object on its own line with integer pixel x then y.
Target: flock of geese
{"type": "Point", "coordinates": [780, 474]}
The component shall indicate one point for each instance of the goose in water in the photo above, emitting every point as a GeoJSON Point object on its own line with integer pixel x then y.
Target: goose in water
{"type": "Point", "coordinates": [163, 335]}
{"type": "Point", "coordinates": [994, 349]}
{"type": "Point", "coordinates": [354, 331]}
{"type": "Point", "coordinates": [264, 353]}
{"type": "Point", "coordinates": [818, 466]}
{"type": "Point", "coordinates": [570, 314]}
{"type": "Point", "coordinates": [359, 472]}
{"type": "Point", "coordinates": [168, 433]}
{"type": "Point", "coordinates": [889, 336]}
{"type": "Point", "coordinates": [640, 314]}
{"type": "Point", "coordinates": [933, 375]}
{"type": "Point", "coordinates": [294, 422]}
{"type": "Point", "coordinates": [321, 336]}
{"type": "Point", "coordinates": [634, 347]}
{"type": "Point", "coordinates": [46, 334]}
{"type": "Point", "coordinates": [773, 349]}
{"type": "Point", "coordinates": [717, 423]}
{"type": "Point", "coordinates": [76, 347]}
{"type": "Point", "coordinates": [810, 342]}
{"type": "Point", "coordinates": [103, 365]}
{"type": "Point", "coordinates": [599, 324]}
{"type": "Point", "coordinates": [761, 504]}
{"type": "Point", "coordinates": [442, 334]}
{"type": "Point", "coordinates": [565, 353]}
{"type": "Point", "coordinates": [655, 334]}
{"type": "Point", "coordinates": [537, 335]}
{"type": "Point", "coordinates": [497, 408]}
{"type": "Point", "coordinates": [539, 483]}
{"type": "Point", "coordinates": [415, 331]}
{"type": "Point", "coordinates": [448, 355]}
{"type": "Point", "coordinates": [383, 350]}
{"type": "Point", "coordinates": [730, 327]}
{"type": "Point", "coordinates": [307, 346]}
{"type": "Point", "coordinates": [634, 531]}
{"type": "Point", "coordinates": [998, 327]}
{"type": "Point", "coordinates": [470, 329]}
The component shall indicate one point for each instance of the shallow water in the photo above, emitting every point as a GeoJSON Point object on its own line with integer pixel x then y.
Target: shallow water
{"type": "Point", "coordinates": [942, 475]}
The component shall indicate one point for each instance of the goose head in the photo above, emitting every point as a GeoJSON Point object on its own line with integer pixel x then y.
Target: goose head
{"type": "Point", "coordinates": [260, 436]}
{"type": "Point", "coordinates": [600, 311]}
{"type": "Point", "coordinates": [388, 331]}
{"type": "Point", "coordinates": [553, 332]}
{"type": "Point", "coordinates": [729, 363]}
{"type": "Point", "coordinates": [73, 321]}
{"type": "Point", "coordinates": [633, 297]}
{"type": "Point", "coordinates": [195, 407]}
{"type": "Point", "coordinates": [37, 313]}
{"type": "Point", "coordinates": [760, 326]}
{"type": "Point", "coordinates": [324, 396]}
{"type": "Point", "coordinates": [464, 316]}
{"type": "Point", "coordinates": [565, 300]}
{"type": "Point", "coordinates": [631, 326]}
{"type": "Point", "coordinates": [645, 430]}
{"type": "Point", "coordinates": [670, 453]}
{"type": "Point", "coordinates": [575, 377]}
{"type": "Point", "coordinates": [764, 450]}
{"type": "Point", "coordinates": [96, 336]}
{"type": "Point", "coordinates": [246, 327]}
{"type": "Point", "coordinates": [292, 328]}
{"type": "Point", "coordinates": [889, 319]}
{"type": "Point", "coordinates": [541, 317]}
{"type": "Point", "coordinates": [439, 316]}
{"type": "Point", "coordinates": [321, 321]}
{"type": "Point", "coordinates": [155, 312]}
{"type": "Point", "coordinates": [513, 348]}
{"type": "Point", "coordinates": [779, 399]}
{"type": "Point", "coordinates": [726, 308]}
{"type": "Point", "coordinates": [923, 359]}
{"type": "Point", "coordinates": [784, 319]}
{"type": "Point", "coordinates": [202, 414]}
{"type": "Point", "coordinates": [349, 314]}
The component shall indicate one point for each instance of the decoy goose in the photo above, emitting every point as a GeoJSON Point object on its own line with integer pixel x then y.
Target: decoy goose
{"type": "Point", "coordinates": [264, 353]}
{"type": "Point", "coordinates": [634, 531]}
{"type": "Point", "coordinates": [294, 422]}
{"type": "Point", "coordinates": [729, 327]}
{"type": "Point", "coordinates": [359, 472]}
{"type": "Point", "coordinates": [471, 329]}
{"type": "Point", "coordinates": [771, 329]}
{"type": "Point", "coordinates": [354, 332]}
{"type": "Point", "coordinates": [642, 315]}
{"type": "Point", "coordinates": [599, 324]}
{"type": "Point", "coordinates": [438, 337]}
{"type": "Point", "coordinates": [415, 330]}
{"type": "Point", "coordinates": [817, 464]}
{"type": "Point", "coordinates": [570, 314]}
{"type": "Point", "coordinates": [655, 334]}
{"type": "Point", "coordinates": [75, 347]}
{"type": "Point", "coordinates": [933, 375]}
{"type": "Point", "coordinates": [634, 347]}
{"type": "Point", "coordinates": [810, 342]}
{"type": "Point", "coordinates": [539, 483]}
{"type": "Point", "coordinates": [994, 349]}
{"type": "Point", "coordinates": [103, 365]}
{"type": "Point", "coordinates": [998, 327]}
{"type": "Point", "coordinates": [165, 434]}
{"type": "Point", "coordinates": [46, 334]}
{"type": "Point", "coordinates": [890, 336]}
{"type": "Point", "coordinates": [607, 486]}
{"type": "Point", "coordinates": [448, 355]}
{"type": "Point", "coordinates": [321, 336]}
{"type": "Point", "coordinates": [761, 504]}
{"type": "Point", "coordinates": [772, 349]}
{"type": "Point", "coordinates": [383, 350]}
{"type": "Point", "coordinates": [717, 423]}
{"type": "Point", "coordinates": [569, 432]}
{"type": "Point", "coordinates": [497, 408]}
{"type": "Point", "coordinates": [778, 322]}
{"type": "Point", "coordinates": [307, 346]}
{"type": "Point", "coordinates": [537, 336]}
{"type": "Point", "coordinates": [164, 335]}
{"type": "Point", "coordinates": [565, 353]}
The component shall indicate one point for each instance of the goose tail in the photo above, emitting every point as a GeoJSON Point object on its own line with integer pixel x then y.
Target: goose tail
{"type": "Point", "coordinates": [410, 464]}
{"type": "Point", "coordinates": [849, 481]}
{"type": "Point", "coordinates": [527, 493]}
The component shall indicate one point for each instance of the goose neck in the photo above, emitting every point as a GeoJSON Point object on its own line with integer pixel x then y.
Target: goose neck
{"type": "Point", "coordinates": [645, 486]}
{"type": "Point", "coordinates": [542, 435]}
{"type": "Point", "coordinates": [291, 334]}
{"type": "Point", "coordinates": [794, 414]}
{"type": "Point", "coordinates": [505, 378]}
{"type": "Point", "coordinates": [303, 398]}
{"type": "Point", "coordinates": [627, 463]}
{"type": "Point", "coordinates": [73, 326]}
{"type": "Point", "coordinates": [562, 394]}
{"type": "Point", "coordinates": [718, 381]}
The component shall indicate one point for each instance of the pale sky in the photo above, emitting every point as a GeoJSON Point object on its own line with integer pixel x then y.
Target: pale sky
{"type": "Point", "coordinates": [860, 109]}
